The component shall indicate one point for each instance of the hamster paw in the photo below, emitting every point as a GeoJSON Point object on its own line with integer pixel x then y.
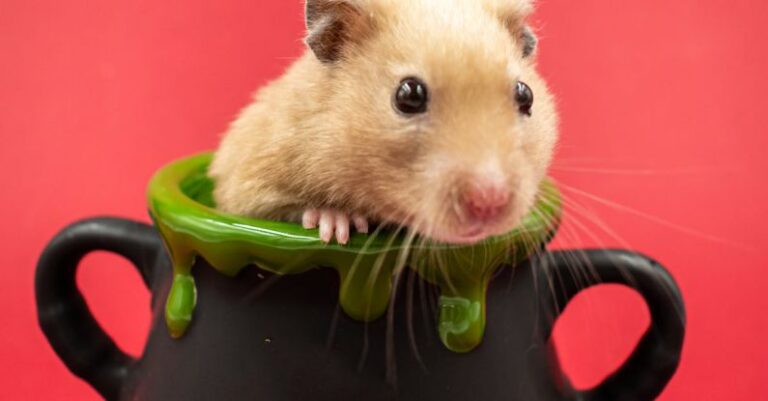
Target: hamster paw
{"type": "Point", "coordinates": [332, 222]}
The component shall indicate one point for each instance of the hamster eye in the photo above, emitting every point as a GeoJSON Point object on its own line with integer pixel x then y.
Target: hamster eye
{"type": "Point", "coordinates": [524, 98]}
{"type": "Point", "coordinates": [411, 96]}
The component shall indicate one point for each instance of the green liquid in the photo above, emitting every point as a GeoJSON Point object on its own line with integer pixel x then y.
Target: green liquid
{"type": "Point", "coordinates": [181, 204]}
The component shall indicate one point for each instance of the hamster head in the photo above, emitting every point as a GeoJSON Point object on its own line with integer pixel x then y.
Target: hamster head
{"type": "Point", "coordinates": [445, 125]}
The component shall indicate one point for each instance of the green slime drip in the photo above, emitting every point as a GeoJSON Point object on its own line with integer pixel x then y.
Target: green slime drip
{"type": "Point", "coordinates": [182, 207]}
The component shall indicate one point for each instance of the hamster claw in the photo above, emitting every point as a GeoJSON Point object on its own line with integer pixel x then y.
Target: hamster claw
{"type": "Point", "coordinates": [361, 223]}
{"type": "Point", "coordinates": [333, 223]}
{"type": "Point", "coordinates": [310, 219]}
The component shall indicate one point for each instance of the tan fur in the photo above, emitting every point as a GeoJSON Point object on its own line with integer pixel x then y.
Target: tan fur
{"type": "Point", "coordinates": [326, 134]}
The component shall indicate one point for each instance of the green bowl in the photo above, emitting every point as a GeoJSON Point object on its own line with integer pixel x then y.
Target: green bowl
{"type": "Point", "coordinates": [182, 207]}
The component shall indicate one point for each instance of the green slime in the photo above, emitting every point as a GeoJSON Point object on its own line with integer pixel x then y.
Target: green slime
{"type": "Point", "coordinates": [182, 207]}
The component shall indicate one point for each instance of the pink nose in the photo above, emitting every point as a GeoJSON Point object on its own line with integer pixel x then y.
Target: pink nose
{"type": "Point", "coordinates": [485, 202]}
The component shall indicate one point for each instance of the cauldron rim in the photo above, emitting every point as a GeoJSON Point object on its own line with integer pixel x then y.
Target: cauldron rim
{"type": "Point", "coordinates": [179, 196]}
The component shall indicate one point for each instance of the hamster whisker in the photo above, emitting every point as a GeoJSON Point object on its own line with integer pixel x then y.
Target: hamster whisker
{"type": "Point", "coordinates": [652, 218]}
{"type": "Point", "coordinates": [627, 275]}
{"type": "Point", "coordinates": [575, 212]}
{"type": "Point", "coordinates": [577, 264]}
{"type": "Point", "coordinates": [409, 286]}
{"type": "Point", "coordinates": [638, 172]}
{"type": "Point", "coordinates": [402, 260]}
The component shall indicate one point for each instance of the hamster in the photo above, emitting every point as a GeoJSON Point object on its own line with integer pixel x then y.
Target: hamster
{"type": "Point", "coordinates": [425, 114]}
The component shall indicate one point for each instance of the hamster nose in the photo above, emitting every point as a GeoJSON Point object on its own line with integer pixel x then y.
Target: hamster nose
{"type": "Point", "coordinates": [485, 202]}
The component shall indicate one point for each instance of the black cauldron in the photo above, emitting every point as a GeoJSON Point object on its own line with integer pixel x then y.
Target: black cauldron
{"type": "Point", "coordinates": [264, 336]}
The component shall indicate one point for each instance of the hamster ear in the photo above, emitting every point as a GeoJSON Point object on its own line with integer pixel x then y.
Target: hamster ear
{"type": "Point", "coordinates": [524, 37]}
{"type": "Point", "coordinates": [331, 25]}
{"type": "Point", "coordinates": [513, 14]}
{"type": "Point", "coordinates": [528, 40]}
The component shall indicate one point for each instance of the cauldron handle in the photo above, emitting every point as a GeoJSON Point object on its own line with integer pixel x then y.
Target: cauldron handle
{"type": "Point", "coordinates": [63, 315]}
{"type": "Point", "coordinates": [656, 357]}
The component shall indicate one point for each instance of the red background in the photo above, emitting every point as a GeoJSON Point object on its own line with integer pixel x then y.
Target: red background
{"type": "Point", "coordinates": [663, 113]}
